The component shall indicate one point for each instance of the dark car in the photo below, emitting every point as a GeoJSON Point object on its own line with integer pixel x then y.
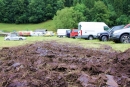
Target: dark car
{"type": "Point", "coordinates": [68, 33]}
{"type": "Point", "coordinates": [105, 36]}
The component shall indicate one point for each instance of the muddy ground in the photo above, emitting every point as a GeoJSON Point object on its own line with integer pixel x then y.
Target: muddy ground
{"type": "Point", "coordinates": [50, 64]}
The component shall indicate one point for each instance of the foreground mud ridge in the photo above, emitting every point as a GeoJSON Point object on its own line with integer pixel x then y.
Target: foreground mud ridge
{"type": "Point", "coordinates": [50, 64]}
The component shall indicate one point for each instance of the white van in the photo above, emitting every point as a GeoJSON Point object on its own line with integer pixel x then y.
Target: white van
{"type": "Point", "coordinates": [62, 32]}
{"type": "Point", "coordinates": [89, 30]}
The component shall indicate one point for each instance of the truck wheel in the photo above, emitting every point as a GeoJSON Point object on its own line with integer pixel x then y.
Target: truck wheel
{"type": "Point", "coordinates": [104, 38]}
{"type": "Point", "coordinates": [90, 38]}
{"type": "Point", "coordinates": [125, 38]}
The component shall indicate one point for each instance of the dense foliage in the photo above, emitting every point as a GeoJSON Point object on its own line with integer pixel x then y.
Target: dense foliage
{"type": "Point", "coordinates": [68, 18]}
{"type": "Point", "coordinates": [28, 11]}
{"type": "Point", "coordinates": [112, 12]}
{"type": "Point", "coordinates": [69, 12]}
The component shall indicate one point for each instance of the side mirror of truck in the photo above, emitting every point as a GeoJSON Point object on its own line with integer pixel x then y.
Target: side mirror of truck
{"type": "Point", "coordinates": [106, 28]}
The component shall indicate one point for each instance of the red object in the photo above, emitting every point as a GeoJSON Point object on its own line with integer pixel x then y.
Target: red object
{"type": "Point", "coordinates": [74, 33]}
{"type": "Point", "coordinates": [24, 33]}
{"type": "Point", "coordinates": [127, 26]}
{"type": "Point", "coordinates": [81, 32]}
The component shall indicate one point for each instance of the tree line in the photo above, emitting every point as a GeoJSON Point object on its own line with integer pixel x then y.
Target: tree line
{"type": "Point", "coordinates": [28, 11]}
{"type": "Point", "coordinates": [65, 13]}
{"type": "Point", "coordinates": [112, 12]}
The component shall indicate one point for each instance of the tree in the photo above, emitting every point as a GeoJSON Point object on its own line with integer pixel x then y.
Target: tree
{"type": "Point", "coordinates": [68, 3]}
{"type": "Point", "coordinates": [1, 10]}
{"type": "Point", "coordinates": [13, 11]}
{"type": "Point", "coordinates": [59, 4]}
{"type": "Point", "coordinates": [51, 7]}
{"type": "Point", "coordinates": [118, 6]}
{"type": "Point", "coordinates": [36, 11]}
{"type": "Point", "coordinates": [112, 15]}
{"type": "Point", "coordinates": [28, 11]}
{"type": "Point", "coordinates": [8, 15]}
{"type": "Point", "coordinates": [68, 18]}
{"type": "Point", "coordinates": [20, 11]}
{"type": "Point", "coordinates": [123, 19]}
{"type": "Point", "coordinates": [100, 12]}
{"type": "Point", "coordinates": [84, 10]}
{"type": "Point", "coordinates": [80, 7]}
{"type": "Point", "coordinates": [126, 7]}
{"type": "Point", "coordinates": [88, 3]}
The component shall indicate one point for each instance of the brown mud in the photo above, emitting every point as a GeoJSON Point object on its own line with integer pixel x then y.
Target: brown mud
{"type": "Point", "coordinates": [50, 64]}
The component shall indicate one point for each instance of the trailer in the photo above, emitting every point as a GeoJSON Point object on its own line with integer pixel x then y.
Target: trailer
{"type": "Point", "coordinates": [37, 34]}
{"type": "Point", "coordinates": [25, 33]}
{"type": "Point", "coordinates": [62, 32]}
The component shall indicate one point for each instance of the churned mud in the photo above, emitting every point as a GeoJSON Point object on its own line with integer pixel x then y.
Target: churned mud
{"type": "Point", "coordinates": [50, 64]}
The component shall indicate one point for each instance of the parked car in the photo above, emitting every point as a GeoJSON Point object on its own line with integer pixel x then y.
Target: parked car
{"type": "Point", "coordinates": [74, 33]}
{"type": "Point", "coordinates": [105, 36]}
{"type": "Point", "coordinates": [14, 37]}
{"type": "Point", "coordinates": [122, 35]}
{"type": "Point", "coordinates": [68, 33]}
{"type": "Point", "coordinates": [89, 30]}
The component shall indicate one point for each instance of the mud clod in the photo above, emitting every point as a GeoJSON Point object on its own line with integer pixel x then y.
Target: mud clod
{"type": "Point", "coordinates": [50, 64]}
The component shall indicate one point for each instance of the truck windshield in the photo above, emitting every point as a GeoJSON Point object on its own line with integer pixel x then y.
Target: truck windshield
{"type": "Point", "coordinates": [76, 30]}
{"type": "Point", "coordinates": [106, 28]}
{"type": "Point", "coordinates": [68, 31]}
{"type": "Point", "coordinates": [79, 27]}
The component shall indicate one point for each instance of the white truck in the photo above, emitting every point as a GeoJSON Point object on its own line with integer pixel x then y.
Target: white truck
{"type": "Point", "coordinates": [89, 30]}
{"type": "Point", "coordinates": [62, 32]}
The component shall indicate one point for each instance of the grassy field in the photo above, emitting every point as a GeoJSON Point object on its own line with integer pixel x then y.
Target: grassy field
{"type": "Point", "coordinates": [81, 42]}
{"type": "Point", "coordinates": [49, 25]}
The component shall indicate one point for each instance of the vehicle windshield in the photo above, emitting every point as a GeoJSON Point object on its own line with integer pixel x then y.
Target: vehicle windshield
{"type": "Point", "coordinates": [79, 27]}
{"type": "Point", "coordinates": [68, 31]}
{"type": "Point", "coordinates": [75, 30]}
{"type": "Point", "coordinates": [116, 28]}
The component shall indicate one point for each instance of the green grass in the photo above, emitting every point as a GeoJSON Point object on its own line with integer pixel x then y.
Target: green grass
{"type": "Point", "coordinates": [49, 25]}
{"type": "Point", "coordinates": [97, 44]}
{"type": "Point", "coordinates": [81, 42]}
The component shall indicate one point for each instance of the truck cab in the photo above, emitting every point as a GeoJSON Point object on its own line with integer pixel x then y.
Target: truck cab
{"type": "Point", "coordinates": [74, 33]}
